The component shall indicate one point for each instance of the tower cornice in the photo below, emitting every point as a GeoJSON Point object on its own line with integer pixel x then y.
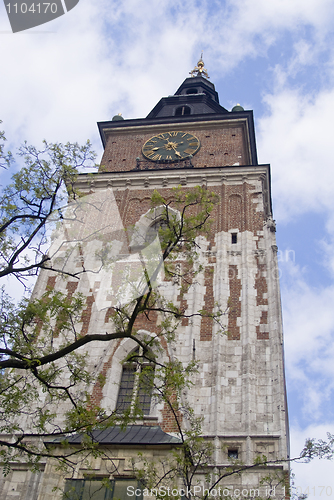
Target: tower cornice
{"type": "Point", "coordinates": [187, 177]}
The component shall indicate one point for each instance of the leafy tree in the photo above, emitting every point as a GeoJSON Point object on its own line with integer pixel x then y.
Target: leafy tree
{"type": "Point", "coordinates": [33, 201]}
{"type": "Point", "coordinates": [41, 362]}
{"type": "Point", "coordinates": [41, 358]}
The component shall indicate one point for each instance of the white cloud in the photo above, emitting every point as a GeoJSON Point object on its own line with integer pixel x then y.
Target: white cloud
{"type": "Point", "coordinates": [115, 57]}
{"type": "Point", "coordinates": [327, 246]}
{"type": "Point", "coordinates": [297, 138]}
{"type": "Point", "coordinates": [98, 61]}
{"type": "Point", "coordinates": [308, 316]}
{"type": "Point", "coordinates": [316, 474]}
{"type": "Point", "coordinates": [248, 28]}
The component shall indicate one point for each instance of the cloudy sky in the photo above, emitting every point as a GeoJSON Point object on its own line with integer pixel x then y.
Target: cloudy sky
{"type": "Point", "coordinates": [273, 56]}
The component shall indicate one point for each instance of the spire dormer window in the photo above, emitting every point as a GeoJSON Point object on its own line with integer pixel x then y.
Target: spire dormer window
{"type": "Point", "coordinates": [182, 111]}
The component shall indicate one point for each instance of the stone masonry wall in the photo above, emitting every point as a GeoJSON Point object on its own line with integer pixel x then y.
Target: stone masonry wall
{"type": "Point", "coordinates": [239, 388]}
{"type": "Point", "coordinates": [237, 213]}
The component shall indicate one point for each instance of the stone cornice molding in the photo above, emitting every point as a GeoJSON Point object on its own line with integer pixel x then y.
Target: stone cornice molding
{"type": "Point", "coordinates": [187, 177]}
{"type": "Point", "coordinates": [157, 179]}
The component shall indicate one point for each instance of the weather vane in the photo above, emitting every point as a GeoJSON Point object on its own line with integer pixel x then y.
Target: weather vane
{"type": "Point", "coordinates": [199, 70]}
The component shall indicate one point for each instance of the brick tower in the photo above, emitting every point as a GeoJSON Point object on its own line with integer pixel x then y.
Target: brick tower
{"type": "Point", "coordinates": [240, 387]}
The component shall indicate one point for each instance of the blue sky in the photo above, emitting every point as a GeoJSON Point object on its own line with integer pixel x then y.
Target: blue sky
{"type": "Point", "coordinates": [273, 56]}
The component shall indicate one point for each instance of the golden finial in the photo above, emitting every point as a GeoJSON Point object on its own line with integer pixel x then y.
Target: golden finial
{"type": "Point", "coordinates": [199, 70]}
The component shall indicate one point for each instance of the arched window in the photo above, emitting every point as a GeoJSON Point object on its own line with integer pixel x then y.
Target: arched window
{"type": "Point", "coordinates": [182, 110]}
{"type": "Point", "coordinates": [135, 388]}
{"type": "Point", "coordinates": [147, 226]}
{"type": "Point", "coordinates": [153, 231]}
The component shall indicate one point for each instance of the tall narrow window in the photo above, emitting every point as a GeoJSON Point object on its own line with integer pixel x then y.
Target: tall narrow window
{"type": "Point", "coordinates": [182, 110]}
{"type": "Point", "coordinates": [135, 387]}
{"type": "Point", "coordinates": [126, 387]}
{"type": "Point", "coordinates": [234, 238]}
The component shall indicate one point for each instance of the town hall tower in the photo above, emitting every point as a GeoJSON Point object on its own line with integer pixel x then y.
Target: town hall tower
{"type": "Point", "coordinates": [189, 139]}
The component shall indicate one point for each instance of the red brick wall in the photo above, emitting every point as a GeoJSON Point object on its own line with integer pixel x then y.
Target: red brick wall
{"type": "Point", "coordinates": [236, 210]}
{"type": "Point", "coordinates": [234, 304]}
{"type": "Point", "coordinates": [219, 147]}
{"type": "Point", "coordinates": [207, 322]}
{"type": "Point", "coordinates": [261, 289]}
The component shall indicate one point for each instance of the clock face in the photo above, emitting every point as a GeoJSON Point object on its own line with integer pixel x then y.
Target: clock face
{"type": "Point", "coordinates": [171, 146]}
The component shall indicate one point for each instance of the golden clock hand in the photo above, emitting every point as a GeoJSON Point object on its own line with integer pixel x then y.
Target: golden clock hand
{"type": "Point", "coordinates": [177, 153]}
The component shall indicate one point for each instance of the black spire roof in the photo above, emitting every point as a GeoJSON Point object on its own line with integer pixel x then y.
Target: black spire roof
{"type": "Point", "coordinates": [196, 96]}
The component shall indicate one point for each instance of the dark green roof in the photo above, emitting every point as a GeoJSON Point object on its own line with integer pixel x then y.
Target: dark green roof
{"type": "Point", "coordinates": [131, 435]}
